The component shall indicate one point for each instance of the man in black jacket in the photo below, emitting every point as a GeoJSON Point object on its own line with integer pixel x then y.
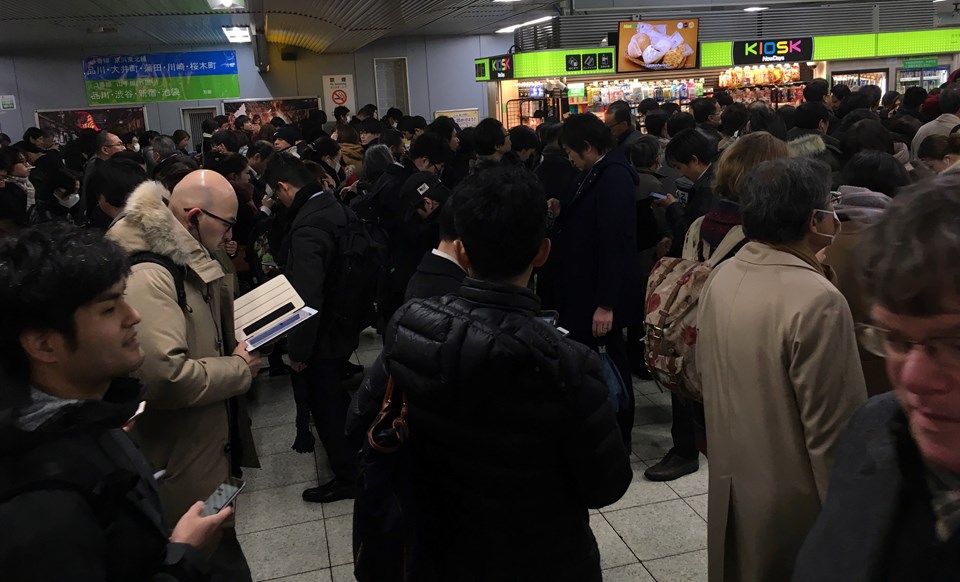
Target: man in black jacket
{"type": "Point", "coordinates": [78, 501]}
{"type": "Point", "coordinates": [317, 352]}
{"type": "Point", "coordinates": [599, 283]}
{"type": "Point", "coordinates": [893, 505]}
{"type": "Point", "coordinates": [439, 272]}
{"type": "Point", "coordinates": [514, 436]}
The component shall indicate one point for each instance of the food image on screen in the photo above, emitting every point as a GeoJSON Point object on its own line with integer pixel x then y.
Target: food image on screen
{"type": "Point", "coordinates": [658, 45]}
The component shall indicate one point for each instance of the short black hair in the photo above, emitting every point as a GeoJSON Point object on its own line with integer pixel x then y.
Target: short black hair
{"type": "Point", "coordinates": [431, 146]}
{"type": "Point", "coordinates": [340, 111]}
{"type": "Point", "coordinates": [178, 136]}
{"type": "Point", "coordinates": [221, 119]}
{"type": "Point", "coordinates": [391, 137]}
{"type": "Point", "coordinates": [914, 97]}
{"type": "Point", "coordinates": [656, 121]}
{"type": "Point", "coordinates": [873, 93]}
{"type": "Point", "coordinates": [875, 170]}
{"type": "Point", "coordinates": [788, 113]}
{"type": "Point", "coordinates": [816, 90]}
{"type": "Point", "coordinates": [950, 99]}
{"type": "Point", "coordinates": [866, 134]}
{"type": "Point", "coordinates": [228, 163]}
{"type": "Point", "coordinates": [115, 179]}
{"type": "Point", "coordinates": [853, 102]}
{"type": "Point", "coordinates": [501, 219]}
{"type": "Point", "coordinates": [909, 257]}
{"type": "Point", "coordinates": [840, 91]}
{"type": "Point", "coordinates": [645, 151]}
{"type": "Point", "coordinates": [679, 122]}
{"type": "Point", "coordinates": [370, 125]}
{"type": "Point", "coordinates": [688, 144]}
{"type": "Point", "coordinates": [240, 121]}
{"type": "Point", "coordinates": [768, 121]}
{"type": "Point", "coordinates": [394, 113]}
{"type": "Point", "coordinates": [264, 148]}
{"type": "Point", "coordinates": [227, 138]}
{"type": "Point", "coordinates": [325, 146]}
{"type": "Point", "coordinates": [703, 108]}
{"type": "Point", "coordinates": [489, 135]}
{"type": "Point", "coordinates": [209, 125]}
{"type": "Point", "coordinates": [443, 126]}
{"type": "Point", "coordinates": [779, 197]}
{"type": "Point", "coordinates": [32, 133]}
{"type": "Point", "coordinates": [523, 137]}
{"type": "Point", "coordinates": [47, 273]}
{"type": "Point", "coordinates": [671, 107]}
{"type": "Point", "coordinates": [621, 112]}
{"type": "Point", "coordinates": [723, 98]}
{"type": "Point", "coordinates": [289, 169]}
{"type": "Point", "coordinates": [585, 129]}
{"type": "Point", "coordinates": [733, 119]}
{"type": "Point", "coordinates": [648, 105]}
{"type": "Point", "coordinates": [810, 114]}
{"type": "Point", "coordinates": [369, 109]}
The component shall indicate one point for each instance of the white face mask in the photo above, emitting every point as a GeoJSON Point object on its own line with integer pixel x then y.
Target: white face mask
{"type": "Point", "coordinates": [836, 224]}
{"type": "Point", "coordinates": [70, 201]}
{"type": "Point", "coordinates": [243, 151]}
{"type": "Point", "coordinates": [136, 147]}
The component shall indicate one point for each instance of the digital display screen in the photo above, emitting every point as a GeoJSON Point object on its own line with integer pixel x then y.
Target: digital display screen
{"type": "Point", "coordinates": [658, 45]}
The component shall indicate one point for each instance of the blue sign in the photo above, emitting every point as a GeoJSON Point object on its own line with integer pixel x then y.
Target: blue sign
{"type": "Point", "coordinates": [190, 64]}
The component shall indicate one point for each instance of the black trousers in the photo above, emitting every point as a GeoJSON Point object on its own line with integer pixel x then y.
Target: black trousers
{"type": "Point", "coordinates": [689, 427]}
{"type": "Point", "coordinates": [617, 349]}
{"type": "Point", "coordinates": [227, 563]}
{"type": "Point", "coordinates": [327, 401]}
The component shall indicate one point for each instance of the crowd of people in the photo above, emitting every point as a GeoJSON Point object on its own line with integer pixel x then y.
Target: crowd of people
{"type": "Point", "coordinates": [514, 274]}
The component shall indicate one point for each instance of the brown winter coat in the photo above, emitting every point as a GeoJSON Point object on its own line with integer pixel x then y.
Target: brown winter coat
{"type": "Point", "coordinates": [185, 429]}
{"type": "Point", "coordinates": [781, 377]}
{"type": "Point", "coordinates": [352, 156]}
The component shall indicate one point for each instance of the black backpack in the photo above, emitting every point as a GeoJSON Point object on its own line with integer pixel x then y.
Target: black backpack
{"type": "Point", "coordinates": [351, 283]}
{"type": "Point", "coordinates": [178, 272]}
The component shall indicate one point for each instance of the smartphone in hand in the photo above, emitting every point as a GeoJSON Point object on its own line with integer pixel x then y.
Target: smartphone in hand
{"type": "Point", "coordinates": [225, 494]}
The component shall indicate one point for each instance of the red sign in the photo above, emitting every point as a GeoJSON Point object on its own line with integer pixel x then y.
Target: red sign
{"type": "Point", "coordinates": [339, 96]}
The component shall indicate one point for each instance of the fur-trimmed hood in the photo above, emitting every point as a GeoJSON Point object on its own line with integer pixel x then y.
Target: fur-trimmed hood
{"type": "Point", "coordinates": [146, 224]}
{"type": "Point", "coordinates": [810, 145]}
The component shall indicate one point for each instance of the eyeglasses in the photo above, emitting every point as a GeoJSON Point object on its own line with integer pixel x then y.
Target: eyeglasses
{"type": "Point", "coordinates": [889, 344]}
{"type": "Point", "coordinates": [230, 223]}
{"type": "Point", "coordinates": [836, 197]}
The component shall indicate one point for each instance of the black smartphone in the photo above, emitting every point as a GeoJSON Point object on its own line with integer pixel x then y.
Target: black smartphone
{"type": "Point", "coordinates": [225, 494]}
{"type": "Point", "coordinates": [550, 317]}
{"type": "Point", "coordinates": [657, 195]}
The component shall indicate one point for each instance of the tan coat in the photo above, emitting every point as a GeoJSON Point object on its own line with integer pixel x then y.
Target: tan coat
{"type": "Point", "coordinates": [842, 256]}
{"type": "Point", "coordinates": [352, 156]}
{"type": "Point", "coordinates": [185, 428]}
{"type": "Point", "coordinates": [781, 377]}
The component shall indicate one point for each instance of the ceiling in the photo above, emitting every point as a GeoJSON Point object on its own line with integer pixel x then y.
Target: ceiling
{"type": "Point", "coordinates": [323, 26]}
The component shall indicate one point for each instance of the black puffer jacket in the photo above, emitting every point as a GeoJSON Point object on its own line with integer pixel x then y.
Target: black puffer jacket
{"type": "Point", "coordinates": [513, 436]}
{"type": "Point", "coordinates": [78, 501]}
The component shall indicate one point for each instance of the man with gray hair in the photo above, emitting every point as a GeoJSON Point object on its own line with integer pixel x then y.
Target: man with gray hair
{"type": "Point", "coordinates": [165, 153]}
{"type": "Point", "coordinates": [781, 373]}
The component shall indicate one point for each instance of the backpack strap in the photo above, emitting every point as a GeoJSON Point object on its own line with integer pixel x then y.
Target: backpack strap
{"type": "Point", "coordinates": [729, 246]}
{"type": "Point", "coordinates": [691, 242]}
{"type": "Point", "coordinates": [178, 272]}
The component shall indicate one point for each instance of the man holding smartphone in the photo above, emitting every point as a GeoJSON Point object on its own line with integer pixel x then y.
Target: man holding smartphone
{"type": "Point", "coordinates": [77, 499]}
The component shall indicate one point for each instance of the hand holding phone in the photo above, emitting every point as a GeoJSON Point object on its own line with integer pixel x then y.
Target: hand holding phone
{"type": "Point", "coordinates": [225, 494]}
{"type": "Point", "coordinates": [657, 196]}
{"type": "Point", "coordinates": [196, 530]}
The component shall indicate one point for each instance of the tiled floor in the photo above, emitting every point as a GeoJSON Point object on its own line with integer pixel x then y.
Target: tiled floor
{"type": "Point", "coordinates": [656, 532]}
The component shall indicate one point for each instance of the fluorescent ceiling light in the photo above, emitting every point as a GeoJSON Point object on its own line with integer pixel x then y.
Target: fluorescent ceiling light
{"type": "Point", "coordinates": [510, 29]}
{"type": "Point", "coordinates": [237, 33]}
{"type": "Point", "coordinates": [755, 9]}
{"type": "Point", "coordinates": [226, 4]}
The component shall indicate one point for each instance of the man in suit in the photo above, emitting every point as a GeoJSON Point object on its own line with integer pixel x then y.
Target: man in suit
{"type": "Point", "coordinates": [439, 272]}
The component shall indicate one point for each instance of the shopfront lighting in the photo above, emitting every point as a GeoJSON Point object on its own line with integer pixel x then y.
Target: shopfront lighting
{"type": "Point", "coordinates": [755, 9]}
{"type": "Point", "coordinates": [237, 33]}
{"type": "Point", "coordinates": [226, 4]}
{"type": "Point", "coordinates": [510, 29]}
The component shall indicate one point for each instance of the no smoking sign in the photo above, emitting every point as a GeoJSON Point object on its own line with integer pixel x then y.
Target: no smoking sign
{"type": "Point", "coordinates": [339, 96]}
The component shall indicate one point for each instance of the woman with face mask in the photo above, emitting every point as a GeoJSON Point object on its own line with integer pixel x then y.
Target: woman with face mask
{"type": "Point", "coordinates": [57, 198]}
{"type": "Point", "coordinates": [17, 180]}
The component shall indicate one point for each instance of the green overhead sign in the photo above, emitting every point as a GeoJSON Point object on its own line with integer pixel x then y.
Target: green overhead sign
{"type": "Point", "coordinates": [720, 54]}
{"type": "Point", "coordinates": [921, 63]}
{"type": "Point", "coordinates": [557, 63]}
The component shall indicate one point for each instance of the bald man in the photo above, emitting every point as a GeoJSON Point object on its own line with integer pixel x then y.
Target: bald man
{"type": "Point", "coordinates": [194, 370]}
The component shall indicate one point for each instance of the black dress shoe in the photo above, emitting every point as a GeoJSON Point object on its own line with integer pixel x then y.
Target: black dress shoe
{"type": "Point", "coordinates": [671, 466]}
{"type": "Point", "coordinates": [333, 491]}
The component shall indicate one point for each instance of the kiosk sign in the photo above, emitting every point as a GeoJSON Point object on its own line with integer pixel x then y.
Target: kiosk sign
{"type": "Point", "coordinates": [758, 52]}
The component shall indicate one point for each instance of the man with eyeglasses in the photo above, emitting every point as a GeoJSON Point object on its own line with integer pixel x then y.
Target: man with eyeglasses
{"type": "Point", "coordinates": [193, 430]}
{"type": "Point", "coordinates": [777, 352]}
{"type": "Point", "coordinates": [107, 146]}
{"type": "Point", "coordinates": [893, 512]}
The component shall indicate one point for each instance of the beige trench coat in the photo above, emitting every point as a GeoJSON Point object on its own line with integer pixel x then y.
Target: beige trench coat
{"type": "Point", "coordinates": [185, 428]}
{"type": "Point", "coordinates": [781, 377]}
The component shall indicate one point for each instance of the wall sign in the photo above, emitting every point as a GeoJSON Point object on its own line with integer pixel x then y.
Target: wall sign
{"type": "Point", "coordinates": [464, 117]}
{"type": "Point", "coordinates": [289, 109]}
{"type": "Point", "coordinates": [758, 52]}
{"type": "Point", "coordinates": [158, 77]}
{"type": "Point", "coordinates": [502, 67]}
{"type": "Point", "coordinates": [921, 63]}
{"type": "Point", "coordinates": [338, 91]}
{"type": "Point", "coordinates": [8, 102]}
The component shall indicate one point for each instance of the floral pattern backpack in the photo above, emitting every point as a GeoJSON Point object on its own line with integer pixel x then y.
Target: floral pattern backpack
{"type": "Point", "coordinates": [670, 317]}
